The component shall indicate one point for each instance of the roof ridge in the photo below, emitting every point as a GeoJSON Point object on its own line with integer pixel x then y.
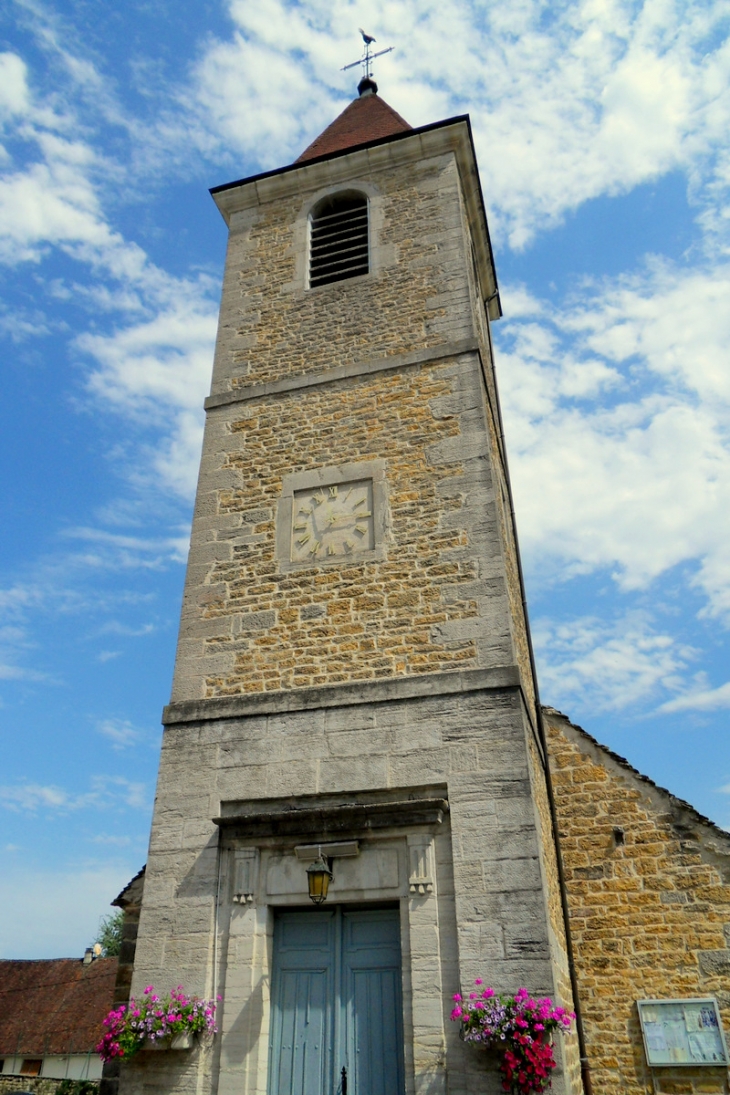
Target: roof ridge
{"type": "Point", "coordinates": [622, 762]}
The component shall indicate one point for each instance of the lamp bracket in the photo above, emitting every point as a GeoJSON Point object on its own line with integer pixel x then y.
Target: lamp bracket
{"type": "Point", "coordinates": [309, 852]}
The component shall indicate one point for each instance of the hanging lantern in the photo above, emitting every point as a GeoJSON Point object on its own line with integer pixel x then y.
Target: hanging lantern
{"type": "Point", "coordinates": [319, 877]}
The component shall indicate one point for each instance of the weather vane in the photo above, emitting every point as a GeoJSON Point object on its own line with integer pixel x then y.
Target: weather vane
{"type": "Point", "coordinates": [367, 60]}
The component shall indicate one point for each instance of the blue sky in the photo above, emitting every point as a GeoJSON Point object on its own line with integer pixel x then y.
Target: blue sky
{"type": "Point", "coordinates": [601, 130]}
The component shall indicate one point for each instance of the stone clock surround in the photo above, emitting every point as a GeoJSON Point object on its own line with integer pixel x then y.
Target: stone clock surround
{"type": "Point", "coordinates": [322, 478]}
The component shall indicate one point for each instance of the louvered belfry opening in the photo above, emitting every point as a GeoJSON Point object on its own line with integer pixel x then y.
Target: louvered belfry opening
{"type": "Point", "coordinates": [339, 239]}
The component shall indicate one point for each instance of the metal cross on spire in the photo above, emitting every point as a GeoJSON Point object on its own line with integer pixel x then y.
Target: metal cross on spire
{"type": "Point", "coordinates": [367, 60]}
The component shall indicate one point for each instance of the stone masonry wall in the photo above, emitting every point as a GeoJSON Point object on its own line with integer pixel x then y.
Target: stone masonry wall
{"type": "Point", "coordinates": [38, 1086]}
{"type": "Point", "coordinates": [436, 602]}
{"type": "Point", "coordinates": [650, 917]}
{"type": "Point", "coordinates": [272, 326]}
{"type": "Point", "coordinates": [471, 743]}
{"type": "Point", "coordinates": [442, 596]}
{"type": "Point", "coordinates": [447, 595]}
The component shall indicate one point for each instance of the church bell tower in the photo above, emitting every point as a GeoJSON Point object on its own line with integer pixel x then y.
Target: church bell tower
{"type": "Point", "coordinates": [353, 707]}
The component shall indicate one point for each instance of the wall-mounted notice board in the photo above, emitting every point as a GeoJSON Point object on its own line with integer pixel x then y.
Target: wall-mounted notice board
{"type": "Point", "coordinates": [682, 1032]}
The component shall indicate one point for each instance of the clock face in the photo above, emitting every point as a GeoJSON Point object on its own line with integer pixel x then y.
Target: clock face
{"type": "Point", "coordinates": [333, 521]}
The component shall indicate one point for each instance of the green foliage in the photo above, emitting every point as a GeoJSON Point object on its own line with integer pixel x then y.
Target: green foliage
{"type": "Point", "coordinates": [110, 939]}
{"type": "Point", "coordinates": [77, 1087]}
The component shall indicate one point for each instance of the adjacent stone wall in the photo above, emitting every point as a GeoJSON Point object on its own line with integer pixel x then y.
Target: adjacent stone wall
{"type": "Point", "coordinates": [648, 882]}
{"type": "Point", "coordinates": [35, 1084]}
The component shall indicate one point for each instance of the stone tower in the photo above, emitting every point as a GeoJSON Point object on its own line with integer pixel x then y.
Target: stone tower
{"type": "Point", "coordinates": [353, 677]}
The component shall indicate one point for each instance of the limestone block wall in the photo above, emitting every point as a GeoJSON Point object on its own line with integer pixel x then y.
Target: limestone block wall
{"type": "Point", "coordinates": [393, 366]}
{"type": "Point", "coordinates": [273, 326]}
{"type": "Point", "coordinates": [649, 891]}
{"type": "Point", "coordinates": [436, 601]}
{"type": "Point", "coordinates": [403, 669]}
{"type": "Point", "coordinates": [492, 914]}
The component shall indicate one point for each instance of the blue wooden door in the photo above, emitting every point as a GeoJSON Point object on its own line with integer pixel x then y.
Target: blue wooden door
{"type": "Point", "coordinates": [336, 1003]}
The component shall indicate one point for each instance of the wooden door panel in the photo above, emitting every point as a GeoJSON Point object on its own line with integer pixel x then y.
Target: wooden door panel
{"type": "Point", "coordinates": [303, 991]}
{"type": "Point", "coordinates": [336, 1001]}
{"type": "Point", "coordinates": [372, 987]}
{"type": "Point", "coordinates": [302, 1037]}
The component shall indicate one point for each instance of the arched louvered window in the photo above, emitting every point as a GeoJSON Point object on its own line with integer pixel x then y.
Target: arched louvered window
{"type": "Point", "coordinates": [339, 246]}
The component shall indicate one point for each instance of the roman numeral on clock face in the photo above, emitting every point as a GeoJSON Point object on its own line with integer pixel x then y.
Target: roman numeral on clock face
{"type": "Point", "coordinates": [332, 521]}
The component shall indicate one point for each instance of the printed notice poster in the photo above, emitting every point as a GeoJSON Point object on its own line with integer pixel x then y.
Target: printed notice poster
{"type": "Point", "coordinates": [682, 1032]}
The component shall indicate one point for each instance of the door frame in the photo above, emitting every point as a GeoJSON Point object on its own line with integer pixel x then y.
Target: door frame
{"type": "Point", "coordinates": [246, 945]}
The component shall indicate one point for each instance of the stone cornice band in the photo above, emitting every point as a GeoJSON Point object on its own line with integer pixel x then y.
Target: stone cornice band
{"type": "Point", "coordinates": [342, 372]}
{"type": "Point", "coordinates": [341, 695]}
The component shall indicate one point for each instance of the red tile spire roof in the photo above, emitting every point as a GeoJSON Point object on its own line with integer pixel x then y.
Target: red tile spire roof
{"type": "Point", "coordinates": [366, 119]}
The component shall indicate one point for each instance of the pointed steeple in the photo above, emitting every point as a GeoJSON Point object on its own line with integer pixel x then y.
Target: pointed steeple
{"type": "Point", "coordinates": [367, 118]}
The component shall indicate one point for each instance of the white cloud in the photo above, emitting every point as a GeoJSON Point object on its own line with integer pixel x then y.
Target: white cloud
{"type": "Point", "coordinates": [110, 839]}
{"type": "Point", "coordinates": [108, 655]}
{"type": "Point", "coordinates": [15, 603]}
{"type": "Point", "coordinates": [114, 627]}
{"type": "Point", "coordinates": [10, 672]}
{"type": "Point", "coordinates": [113, 790]}
{"type": "Point", "coordinates": [159, 370]}
{"type": "Point", "coordinates": [710, 699]}
{"type": "Point", "coordinates": [28, 797]}
{"type": "Point", "coordinates": [106, 792]}
{"type": "Point", "coordinates": [617, 415]}
{"type": "Point", "coordinates": [53, 203]}
{"type": "Point", "coordinates": [14, 97]}
{"type": "Point", "coordinates": [607, 666]}
{"type": "Point", "coordinates": [155, 364]}
{"type": "Point", "coordinates": [120, 732]}
{"type": "Point", "coordinates": [161, 362]}
{"type": "Point", "coordinates": [113, 550]}
{"type": "Point", "coordinates": [590, 99]}
{"type": "Point", "coordinates": [123, 734]}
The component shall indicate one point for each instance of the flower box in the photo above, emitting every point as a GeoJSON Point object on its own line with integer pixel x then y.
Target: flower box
{"type": "Point", "coordinates": [176, 1041]}
{"type": "Point", "coordinates": [174, 1021]}
{"type": "Point", "coordinates": [518, 1029]}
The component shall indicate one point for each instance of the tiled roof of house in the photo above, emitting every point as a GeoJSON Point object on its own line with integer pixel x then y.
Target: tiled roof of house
{"type": "Point", "coordinates": [368, 118]}
{"type": "Point", "coordinates": [54, 1005]}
